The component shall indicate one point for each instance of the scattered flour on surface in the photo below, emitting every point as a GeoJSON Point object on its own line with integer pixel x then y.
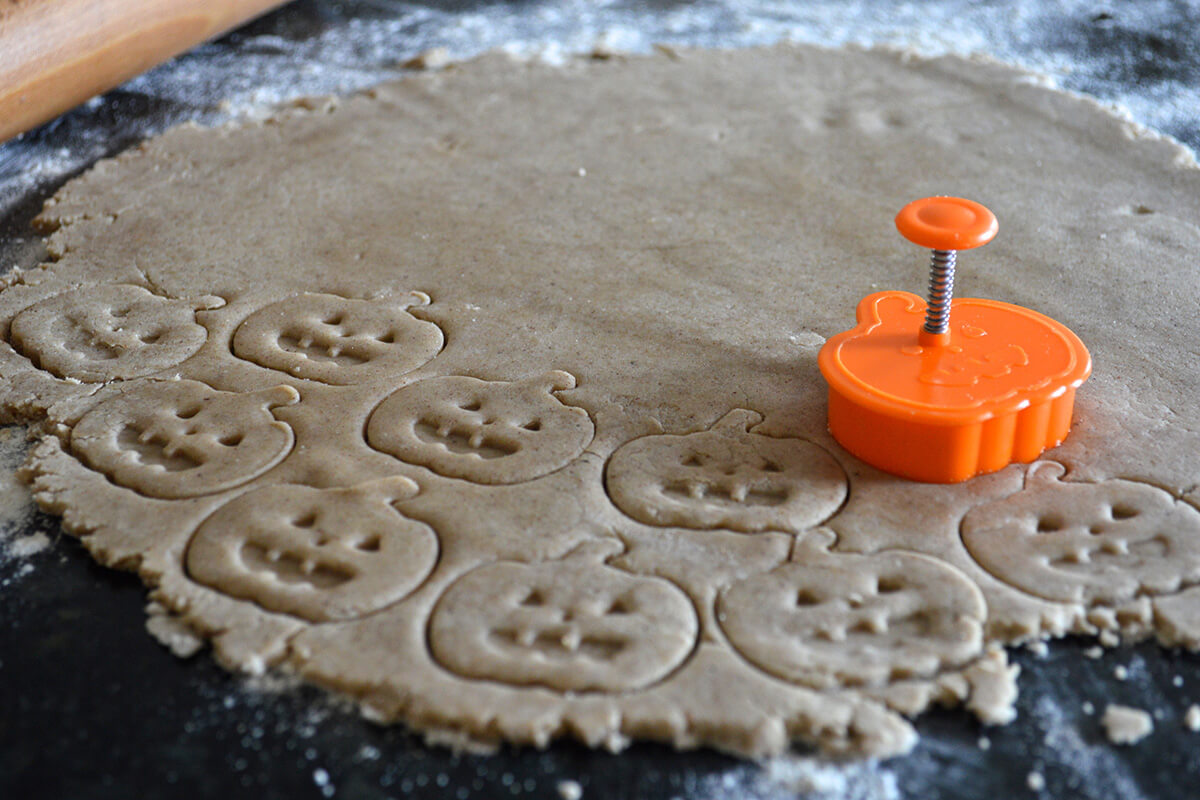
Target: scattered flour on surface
{"type": "Point", "coordinates": [1098, 768]}
{"type": "Point", "coordinates": [18, 544]}
{"type": "Point", "coordinates": [1126, 725]}
{"type": "Point", "coordinates": [321, 779]}
{"type": "Point", "coordinates": [569, 790]}
{"type": "Point", "coordinates": [797, 776]}
{"type": "Point", "coordinates": [15, 500]}
{"type": "Point", "coordinates": [1191, 719]}
{"type": "Point", "coordinates": [25, 546]}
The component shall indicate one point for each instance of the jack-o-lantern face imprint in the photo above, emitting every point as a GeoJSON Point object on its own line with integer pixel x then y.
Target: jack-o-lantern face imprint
{"type": "Point", "coordinates": [844, 620]}
{"type": "Point", "coordinates": [491, 432]}
{"type": "Point", "coordinates": [1089, 543]}
{"type": "Point", "coordinates": [183, 438]}
{"type": "Point", "coordinates": [567, 626]}
{"type": "Point", "coordinates": [332, 339]}
{"type": "Point", "coordinates": [109, 332]}
{"type": "Point", "coordinates": [726, 477]}
{"type": "Point", "coordinates": [319, 554]}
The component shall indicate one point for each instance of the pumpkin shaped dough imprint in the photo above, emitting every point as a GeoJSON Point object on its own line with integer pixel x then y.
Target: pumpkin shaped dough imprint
{"type": "Point", "coordinates": [109, 332]}
{"type": "Point", "coordinates": [830, 620]}
{"type": "Point", "coordinates": [339, 340]}
{"type": "Point", "coordinates": [571, 626]}
{"type": "Point", "coordinates": [320, 554]}
{"type": "Point", "coordinates": [182, 438]}
{"type": "Point", "coordinates": [726, 477]}
{"type": "Point", "coordinates": [491, 432]}
{"type": "Point", "coordinates": [1089, 543]}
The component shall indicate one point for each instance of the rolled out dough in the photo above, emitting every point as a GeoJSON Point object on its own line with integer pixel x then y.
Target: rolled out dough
{"type": "Point", "coordinates": [490, 397]}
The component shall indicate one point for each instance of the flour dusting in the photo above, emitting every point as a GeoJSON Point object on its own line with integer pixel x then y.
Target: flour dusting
{"type": "Point", "coordinates": [19, 542]}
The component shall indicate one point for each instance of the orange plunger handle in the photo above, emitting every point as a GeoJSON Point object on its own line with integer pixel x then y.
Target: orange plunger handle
{"type": "Point", "coordinates": [945, 225]}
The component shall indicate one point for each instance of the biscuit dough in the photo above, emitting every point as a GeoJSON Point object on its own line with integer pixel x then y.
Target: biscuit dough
{"type": "Point", "coordinates": [1126, 725]}
{"type": "Point", "coordinates": [490, 397]}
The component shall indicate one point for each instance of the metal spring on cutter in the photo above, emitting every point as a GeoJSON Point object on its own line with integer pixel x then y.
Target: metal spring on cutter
{"type": "Point", "coordinates": [941, 290]}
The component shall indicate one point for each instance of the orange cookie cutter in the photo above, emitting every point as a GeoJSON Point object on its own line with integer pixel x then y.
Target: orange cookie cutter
{"type": "Point", "coordinates": [944, 390]}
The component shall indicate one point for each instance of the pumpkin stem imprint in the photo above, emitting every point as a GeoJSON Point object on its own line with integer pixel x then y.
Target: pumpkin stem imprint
{"type": "Point", "coordinates": [556, 380]}
{"type": "Point", "coordinates": [277, 396]}
{"type": "Point", "coordinates": [812, 543]}
{"type": "Point", "coordinates": [1045, 472]}
{"type": "Point", "coordinates": [407, 300]}
{"type": "Point", "coordinates": [208, 302]}
{"type": "Point", "coordinates": [739, 420]}
{"type": "Point", "coordinates": [595, 550]}
{"type": "Point", "coordinates": [391, 490]}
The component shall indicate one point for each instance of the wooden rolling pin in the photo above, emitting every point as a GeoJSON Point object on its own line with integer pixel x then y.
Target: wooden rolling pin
{"type": "Point", "coordinates": [54, 54]}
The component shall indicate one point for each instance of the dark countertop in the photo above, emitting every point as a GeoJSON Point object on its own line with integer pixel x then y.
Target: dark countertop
{"type": "Point", "coordinates": [92, 707]}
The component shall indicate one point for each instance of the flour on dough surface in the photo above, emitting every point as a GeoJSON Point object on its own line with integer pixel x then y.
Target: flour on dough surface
{"type": "Point", "coordinates": [376, 304]}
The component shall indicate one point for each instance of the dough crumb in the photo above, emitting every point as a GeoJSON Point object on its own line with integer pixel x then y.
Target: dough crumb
{"type": "Point", "coordinates": [602, 49]}
{"type": "Point", "coordinates": [806, 339]}
{"type": "Point", "coordinates": [1126, 725]}
{"type": "Point", "coordinates": [984, 743]}
{"type": "Point", "coordinates": [993, 689]}
{"type": "Point", "coordinates": [569, 790]}
{"type": "Point", "coordinates": [171, 632]}
{"type": "Point", "coordinates": [273, 682]}
{"type": "Point", "coordinates": [1109, 639]}
{"type": "Point", "coordinates": [1105, 619]}
{"type": "Point", "coordinates": [1177, 681]}
{"type": "Point", "coordinates": [1191, 720]}
{"type": "Point", "coordinates": [1120, 672]}
{"type": "Point", "coordinates": [1094, 652]}
{"type": "Point", "coordinates": [668, 51]}
{"type": "Point", "coordinates": [434, 58]}
{"type": "Point", "coordinates": [1038, 647]}
{"type": "Point", "coordinates": [1035, 781]}
{"type": "Point", "coordinates": [1088, 708]}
